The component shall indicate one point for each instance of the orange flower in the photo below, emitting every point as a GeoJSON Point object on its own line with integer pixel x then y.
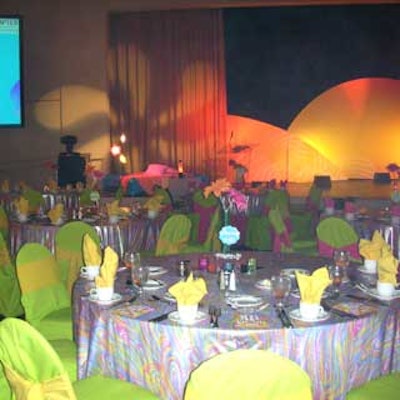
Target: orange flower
{"type": "Point", "coordinates": [217, 187]}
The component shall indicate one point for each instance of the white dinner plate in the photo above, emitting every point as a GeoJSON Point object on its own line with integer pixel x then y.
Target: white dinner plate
{"type": "Point", "coordinates": [174, 317]}
{"type": "Point", "coordinates": [374, 293]}
{"type": "Point", "coordinates": [115, 297]}
{"type": "Point", "coordinates": [292, 271]}
{"type": "Point", "coordinates": [322, 316]}
{"type": "Point", "coordinates": [89, 220]}
{"type": "Point", "coordinates": [154, 271]}
{"type": "Point", "coordinates": [154, 284]}
{"type": "Point", "coordinates": [244, 301]}
{"type": "Point", "coordinates": [362, 269]}
{"type": "Point", "coordinates": [263, 284]}
{"type": "Point", "coordinates": [168, 296]}
{"type": "Point", "coordinates": [296, 293]}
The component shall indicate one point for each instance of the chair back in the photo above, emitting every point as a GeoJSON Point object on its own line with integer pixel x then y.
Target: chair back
{"type": "Point", "coordinates": [335, 233]}
{"type": "Point", "coordinates": [205, 207]}
{"type": "Point", "coordinates": [31, 366]}
{"type": "Point", "coordinates": [69, 255]}
{"type": "Point", "coordinates": [281, 238]}
{"type": "Point", "coordinates": [39, 276]}
{"type": "Point", "coordinates": [174, 234]}
{"type": "Point", "coordinates": [278, 199]}
{"type": "Point", "coordinates": [248, 374]}
{"type": "Point", "coordinates": [212, 243]}
{"type": "Point", "coordinates": [35, 199]}
{"type": "Point", "coordinates": [313, 200]}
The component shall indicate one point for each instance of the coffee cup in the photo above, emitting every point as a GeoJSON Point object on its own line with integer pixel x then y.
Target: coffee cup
{"type": "Point", "coordinates": [102, 293]}
{"type": "Point", "coordinates": [310, 310]}
{"type": "Point", "coordinates": [187, 313]}
{"type": "Point", "coordinates": [370, 266]}
{"type": "Point", "coordinates": [113, 219]}
{"type": "Point", "coordinates": [90, 271]}
{"type": "Point", "coordinates": [385, 288]}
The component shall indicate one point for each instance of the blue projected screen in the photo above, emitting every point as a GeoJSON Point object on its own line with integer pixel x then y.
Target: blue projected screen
{"type": "Point", "coordinates": [11, 102]}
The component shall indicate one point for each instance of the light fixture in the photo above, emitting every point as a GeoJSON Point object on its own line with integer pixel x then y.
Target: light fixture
{"type": "Point", "coordinates": [122, 138]}
{"type": "Point", "coordinates": [115, 150]}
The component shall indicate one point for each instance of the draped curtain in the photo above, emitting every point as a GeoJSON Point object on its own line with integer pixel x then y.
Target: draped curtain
{"type": "Point", "coordinates": [167, 89]}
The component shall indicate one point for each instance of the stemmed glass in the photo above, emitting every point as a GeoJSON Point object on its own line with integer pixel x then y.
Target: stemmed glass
{"type": "Point", "coordinates": [280, 289]}
{"type": "Point", "coordinates": [341, 258]}
{"type": "Point", "coordinates": [131, 259]}
{"type": "Point", "coordinates": [336, 274]}
{"type": "Point", "coordinates": [140, 275]}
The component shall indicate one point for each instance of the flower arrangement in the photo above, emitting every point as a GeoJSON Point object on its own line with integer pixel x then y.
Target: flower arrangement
{"type": "Point", "coordinates": [93, 176]}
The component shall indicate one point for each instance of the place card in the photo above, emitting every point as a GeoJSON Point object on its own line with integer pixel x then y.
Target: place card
{"type": "Point", "coordinates": [250, 321]}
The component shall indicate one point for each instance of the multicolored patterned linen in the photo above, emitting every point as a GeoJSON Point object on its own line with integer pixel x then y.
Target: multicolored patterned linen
{"type": "Point", "coordinates": [338, 354]}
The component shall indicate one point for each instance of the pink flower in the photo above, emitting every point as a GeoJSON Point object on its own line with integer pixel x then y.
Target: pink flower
{"type": "Point", "coordinates": [239, 199]}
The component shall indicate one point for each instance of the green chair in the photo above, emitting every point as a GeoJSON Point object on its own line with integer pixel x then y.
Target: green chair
{"type": "Point", "coordinates": [174, 235]}
{"type": "Point", "coordinates": [212, 243]}
{"type": "Point", "coordinates": [68, 249]}
{"type": "Point", "coordinates": [248, 374]}
{"type": "Point", "coordinates": [10, 293]}
{"type": "Point", "coordinates": [43, 295]}
{"type": "Point", "coordinates": [35, 372]}
{"type": "Point", "coordinates": [35, 199]}
{"type": "Point", "coordinates": [4, 224]}
{"type": "Point", "coordinates": [386, 387]}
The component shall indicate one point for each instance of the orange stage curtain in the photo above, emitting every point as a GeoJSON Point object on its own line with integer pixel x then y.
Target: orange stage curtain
{"type": "Point", "coordinates": [167, 90]}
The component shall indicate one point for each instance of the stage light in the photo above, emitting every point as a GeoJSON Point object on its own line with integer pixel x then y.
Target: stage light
{"type": "Point", "coordinates": [122, 138]}
{"type": "Point", "coordinates": [122, 159]}
{"type": "Point", "coordinates": [115, 150]}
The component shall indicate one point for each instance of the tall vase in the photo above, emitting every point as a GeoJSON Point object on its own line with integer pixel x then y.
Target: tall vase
{"type": "Point", "coordinates": [225, 247]}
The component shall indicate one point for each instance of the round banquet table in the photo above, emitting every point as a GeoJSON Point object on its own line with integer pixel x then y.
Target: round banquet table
{"type": "Point", "coordinates": [122, 340]}
{"type": "Point", "coordinates": [134, 233]}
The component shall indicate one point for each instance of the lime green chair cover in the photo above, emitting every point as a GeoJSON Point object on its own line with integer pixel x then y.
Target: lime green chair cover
{"type": "Point", "coordinates": [174, 235]}
{"type": "Point", "coordinates": [35, 199]}
{"type": "Point", "coordinates": [69, 256]}
{"type": "Point", "coordinates": [10, 293]}
{"type": "Point", "coordinates": [35, 372]}
{"type": "Point", "coordinates": [84, 198]}
{"type": "Point", "coordinates": [164, 194]}
{"type": "Point", "coordinates": [258, 233]}
{"type": "Point", "coordinates": [336, 232]}
{"type": "Point", "coordinates": [210, 201]}
{"type": "Point", "coordinates": [386, 387]}
{"type": "Point", "coordinates": [248, 374]}
{"type": "Point", "coordinates": [4, 224]}
{"type": "Point", "coordinates": [195, 220]}
{"type": "Point", "coordinates": [43, 295]}
{"type": "Point", "coordinates": [212, 242]}
{"type": "Point", "coordinates": [278, 199]}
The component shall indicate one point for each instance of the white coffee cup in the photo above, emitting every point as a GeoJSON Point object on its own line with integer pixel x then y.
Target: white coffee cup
{"type": "Point", "coordinates": [310, 310]}
{"type": "Point", "coordinates": [329, 211]}
{"type": "Point", "coordinates": [187, 313]}
{"type": "Point", "coordinates": [102, 293]}
{"type": "Point", "coordinates": [385, 288]}
{"type": "Point", "coordinates": [90, 271]}
{"type": "Point", "coordinates": [370, 266]}
{"type": "Point", "coordinates": [22, 217]}
{"type": "Point", "coordinates": [113, 219]}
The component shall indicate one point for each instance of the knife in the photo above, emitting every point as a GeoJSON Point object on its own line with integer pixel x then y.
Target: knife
{"type": "Point", "coordinates": [367, 300]}
{"type": "Point", "coordinates": [286, 323]}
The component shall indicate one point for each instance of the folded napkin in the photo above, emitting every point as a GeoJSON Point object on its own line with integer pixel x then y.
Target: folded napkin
{"type": "Point", "coordinates": [387, 267]}
{"type": "Point", "coordinates": [395, 209]}
{"type": "Point", "coordinates": [52, 185]}
{"type": "Point", "coordinates": [113, 208]}
{"type": "Point", "coordinates": [91, 251]}
{"type": "Point", "coordinates": [349, 207]}
{"type": "Point", "coordinates": [56, 213]}
{"type": "Point", "coordinates": [108, 269]}
{"type": "Point", "coordinates": [329, 202]}
{"type": "Point", "coordinates": [5, 186]}
{"type": "Point", "coordinates": [189, 292]}
{"type": "Point", "coordinates": [372, 249]}
{"type": "Point", "coordinates": [22, 205]}
{"type": "Point", "coordinates": [154, 203]}
{"type": "Point", "coordinates": [312, 286]}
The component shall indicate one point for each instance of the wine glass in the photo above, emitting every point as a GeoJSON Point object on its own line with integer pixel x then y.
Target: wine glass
{"type": "Point", "coordinates": [341, 258]}
{"type": "Point", "coordinates": [131, 259]}
{"type": "Point", "coordinates": [336, 274]}
{"type": "Point", "coordinates": [140, 275]}
{"type": "Point", "coordinates": [280, 285]}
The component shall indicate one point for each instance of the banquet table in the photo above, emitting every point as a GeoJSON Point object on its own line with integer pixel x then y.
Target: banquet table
{"type": "Point", "coordinates": [120, 340]}
{"type": "Point", "coordinates": [133, 233]}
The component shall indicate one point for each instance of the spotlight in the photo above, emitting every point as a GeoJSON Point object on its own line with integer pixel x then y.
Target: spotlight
{"type": "Point", "coordinates": [115, 150]}
{"type": "Point", "coordinates": [122, 159]}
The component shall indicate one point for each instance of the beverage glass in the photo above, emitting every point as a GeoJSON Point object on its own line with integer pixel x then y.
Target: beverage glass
{"type": "Point", "coordinates": [140, 275]}
{"type": "Point", "coordinates": [280, 289]}
{"type": "Point", "coordinates": [341, 258]}
{"type": "Point", "coordinates": [131, 259]}
{"type": "Point", "coordinates": [336, 274]}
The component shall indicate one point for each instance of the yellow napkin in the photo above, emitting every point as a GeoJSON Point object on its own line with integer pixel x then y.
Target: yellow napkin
{"type": "Point", "coordinates": [5, 186]}
{"type": "Point", "coordinates": [372, 249]}
{"type": "Point", "coordinates": [387, 267]}
{"type": "Point", "coordinates": [108, 269]}
{"type": "Point", "coordinates": [22, 205]}
{"type": "Point", "coordinates": [154, 203]}
{"type": "Point", "coordinates": [56, 213]}
{"type": "Point", "coordinates": [189, 292]}
{"type": "Point", "coordinates": [312, 286]}
{"type": "Point", "coordinates": [91, 251]}
{"type": "Point", "coordinates": [113, 208]}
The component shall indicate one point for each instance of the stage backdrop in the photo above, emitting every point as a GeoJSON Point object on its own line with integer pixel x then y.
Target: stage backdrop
{"type": "Point", "coordinates": [313, 90]}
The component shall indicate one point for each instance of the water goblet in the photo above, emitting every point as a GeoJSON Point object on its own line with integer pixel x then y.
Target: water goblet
{"type": "Point", "coordinates": [341, 258]}
{"type": "Point", "coordinates": [280, 285]}
{"type": "Point", "coordinates": [336, 274]}
{"type": "Point", "coordinates": [140, 275]}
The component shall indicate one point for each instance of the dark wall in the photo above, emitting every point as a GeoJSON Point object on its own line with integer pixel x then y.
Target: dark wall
{"type": "Point", "coordinates": [280, 58]}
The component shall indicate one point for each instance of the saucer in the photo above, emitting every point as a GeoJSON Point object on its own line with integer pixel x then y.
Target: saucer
{"type": "Point", "coordinates": [87, 277]}
{"type": "Point", "coordinates": [362, 269]}
{"type": "Point", "coordinates": [263, 284]}
{"type": "Point", "coordinates": [374, 293]}
{"type": "Point", "coordinates": [168, 297]}
{"type": "Point", "coordinates": [174, 317]}
{"type": "Point", "coordinates": [322, 316]}
{"type": "Point", "coordinates": [154, 284]}
{"type": "Point", "coordinates": [154, 271]}
{"type": "Point", "coordinates": [244, 301]}
{"type": "Point", "coordinates": [115, 297]}
{"type": "Point", "coordinates": [292, 271]}
{"type": "Point", "coordinates": [296, 293]}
